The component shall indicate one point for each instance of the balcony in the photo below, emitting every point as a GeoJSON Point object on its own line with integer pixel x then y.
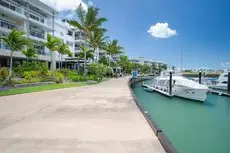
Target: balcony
{"type": "Point", "coordinates": [8, 25]}
{"type": "Point", "coordinates": [37, 34]}
{"type": "Point", "coordinates": [3, 46]}
{"type": "Point", "coordinates": [40, 20]}
{"type": "Point", "coordinates": [11, 9]}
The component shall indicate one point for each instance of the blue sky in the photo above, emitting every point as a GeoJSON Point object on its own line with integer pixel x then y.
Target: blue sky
{"type": "Point", "coordinates": [202, 30]}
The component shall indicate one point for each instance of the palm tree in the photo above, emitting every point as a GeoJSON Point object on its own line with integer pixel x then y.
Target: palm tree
{"type": "Point", "coordinates": [63, 49]}
{"type": "Point", "coordinates": [123, 62]}
{"type": "Point", "coordinates": [52, 44]}
{"type": "Point", "coordinates": [30, 53]}
{"type": "Point", "coordinates": [16, 42]}
{"type": "Point", "coordinates": [88, 22]}
{"type": "Point", "coordinates": [88, 52]}
{"type": "Point", "coordinates": [97, 40]}
{"type": "Point", "coordinates": [112, 48]}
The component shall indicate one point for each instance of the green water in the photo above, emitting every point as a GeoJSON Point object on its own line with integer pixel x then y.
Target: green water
{"type": "Point", "coordinates": [192, 127]}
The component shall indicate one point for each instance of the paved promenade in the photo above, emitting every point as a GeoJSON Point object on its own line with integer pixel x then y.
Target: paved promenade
{"type": "Point", "coordinates": [92, 119]}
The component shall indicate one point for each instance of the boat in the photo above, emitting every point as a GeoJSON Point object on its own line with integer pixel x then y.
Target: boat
{"type": "Point", "coordinates": [222, 82]}
{"type": "Point", "coordinates": [147, 87]}
{"type": "Point", "coordinates": [181, 87]}
{"type": "Point", "coordinates": [204, 81]}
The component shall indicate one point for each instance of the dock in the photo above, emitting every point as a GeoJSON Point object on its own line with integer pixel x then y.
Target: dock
{"type": "Point", "coordinates": [220, 93]}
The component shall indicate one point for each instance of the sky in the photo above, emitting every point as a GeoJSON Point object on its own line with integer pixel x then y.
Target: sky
{"type": "Point", "coordinates": [162, 29]}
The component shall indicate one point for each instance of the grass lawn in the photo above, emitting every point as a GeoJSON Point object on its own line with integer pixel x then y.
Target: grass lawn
{"type": "Point", "coordinates": [43, 88]}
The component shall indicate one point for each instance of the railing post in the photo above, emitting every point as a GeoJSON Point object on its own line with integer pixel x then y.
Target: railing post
{"type": "Point", "coordinates": [199, 77]}
{"type": "Point", "coordinates": [170, 83]}
{"type": "Point", "coordinates": [229, 82]}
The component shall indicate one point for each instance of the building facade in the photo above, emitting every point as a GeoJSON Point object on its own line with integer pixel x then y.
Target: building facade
{"type": "Point", "coordinates": [37, 19]}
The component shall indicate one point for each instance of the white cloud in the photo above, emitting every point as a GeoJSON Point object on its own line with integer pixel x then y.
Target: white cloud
{"type": "Point", "coordinates": [90, 3]}
{"type": "Point", "coordinates": [66, 4]}
{"type": "Point", "coordinates": [161, 30]}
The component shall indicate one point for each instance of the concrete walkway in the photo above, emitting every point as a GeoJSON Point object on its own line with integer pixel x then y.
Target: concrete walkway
{"type": "Point", "coordinates": [94, 119]}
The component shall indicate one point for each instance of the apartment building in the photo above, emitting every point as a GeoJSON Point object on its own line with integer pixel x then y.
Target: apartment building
{"type": "Point", "coordinates": [37, 19]}
{"type": "Point", "coordinates": [31, 16]}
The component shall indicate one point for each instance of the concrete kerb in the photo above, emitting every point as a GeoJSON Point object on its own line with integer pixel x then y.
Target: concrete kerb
{"type": "Point", "coordinates": [167, 145]}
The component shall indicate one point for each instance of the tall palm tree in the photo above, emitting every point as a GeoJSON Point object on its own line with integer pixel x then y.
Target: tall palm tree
{"type": "Point", "coordinates": [97, 40]}
{"type": "Point", "coordinates": [16, 42]}
{"type": "Point", "coordinates": [30, 53]}
{"type": "Point", "coordinates": [112, 48]}
{"type": "Point", "coordinates": [63, 49]}
{"type": "Point", "coordinates": [88, 52]}
{"type": "Point", "coordinates": [52, 44]}
{"type": "Point", "coordinates": [88, 22]}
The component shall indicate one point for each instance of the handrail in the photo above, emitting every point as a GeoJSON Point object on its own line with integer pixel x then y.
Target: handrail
{"type": "Point", "coordinates": [9, 25]}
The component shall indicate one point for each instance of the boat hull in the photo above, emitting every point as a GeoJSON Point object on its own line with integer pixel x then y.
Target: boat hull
{"type": "Point", "coordinates": [190, 93]}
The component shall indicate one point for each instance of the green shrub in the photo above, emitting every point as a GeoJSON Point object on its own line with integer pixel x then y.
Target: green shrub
{"type": "Point", "coordinates": [28, 75]}
{"type": "Point", "coordinates": [24, 81]}
{"type": "Point", "coordinates": [65, 71]}
{"type": "Point", "coordinates": [20, 68]}
{"type": "Point", "coordinates": [99, 70]}
{"type": "Point", "coordinates": [7, 83]}
{"type": "Point", "coordinates": [58, 77]}
{"type": "Point", "coordinates": [4, 73]}
{"type": "Point", "coordinates": [91, 77]}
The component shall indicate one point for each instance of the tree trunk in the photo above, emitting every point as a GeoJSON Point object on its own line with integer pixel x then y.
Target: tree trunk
{"type": "Point", "coordinates": [61, 61]}
{"type": "Point", "coordinates": [51, 62]}
{"type": "Point", "coordinates": [85, 65]}
{"type": "Point", "coordinates": [11, 64]}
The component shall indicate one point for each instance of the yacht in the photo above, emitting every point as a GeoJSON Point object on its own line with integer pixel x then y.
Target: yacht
{"type": "Point", "coordinates": [222, 82]}
{"type": "Point", "coordinates": [181, 87]}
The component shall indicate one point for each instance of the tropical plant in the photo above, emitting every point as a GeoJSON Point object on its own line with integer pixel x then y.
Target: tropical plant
{"type": "Point", "coordinates": [104, 60]}
{"type": "Point", "coordinates": [88, 22]}
{"type": "Point", "coordinates": [16, 42]}
{"type": "Point", "coordinates": [52, 44]}
{"type": "Point", "coordinates": [58, 77]}
{"type": "Point", "coordinates": [112, 48]}
{"type": "Point", "coordinates": [99, 70]}
{"type": "Point", "coordinates": [97, 40]}
{"type": "Point", "coordinates": [4, 73]}
{"type": "Point", "coordinates": [63, 49]}
{"type": "Point", "coordinates": [86, 53]}
{"type": "Point", "coordinates": [30, 53]}
{"type": "Point", "coordinates": [123, 61]}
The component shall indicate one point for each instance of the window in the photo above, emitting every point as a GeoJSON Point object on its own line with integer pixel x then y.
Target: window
{"type": "Point", "coordinates": [4, 4]}
{"type": "Point", "coordinates": [225, 82]}
{"type": "Point", "coordinates": [226, 75]}
{"type": "Point", "coordinates": [70, 33]}
{"type": "Point", "coordinates": [69, 43]}
{"type": "Point", "coordinates": [61, 33]}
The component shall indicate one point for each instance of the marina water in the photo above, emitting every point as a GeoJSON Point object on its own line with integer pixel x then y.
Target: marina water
{"type": "Point", "coordinates": [192, 127]}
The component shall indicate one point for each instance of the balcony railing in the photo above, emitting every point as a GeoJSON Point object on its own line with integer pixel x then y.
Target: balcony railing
{"type": "Point", "coordinates": [10, 6]}
{"type": "Point", "coordinates": [37, 34]}
{"type": "Point", "coordinates": [39, 18]}
{"type": "Point", "coordinates": [4, 46]}
{"type": "Point", "coordinates": [9, 25]}
{"type": "Point", "coordinates": [80, 37]}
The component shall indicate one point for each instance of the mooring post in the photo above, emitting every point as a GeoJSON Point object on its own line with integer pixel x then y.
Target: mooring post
{"type": "Point", "coordinates": [170, 83]}
{"type": "Point", "coordinates": [229, 82]}
{"type": "Point", "coordinates": [199, 77]}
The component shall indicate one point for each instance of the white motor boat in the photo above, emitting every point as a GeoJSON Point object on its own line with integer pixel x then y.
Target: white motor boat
{"type": "Point", "coordinates": [181, 87]}
{"type": "Point", "coordinates": [204, 81]}
{"type": "Point", "coordinates": [222, 82]}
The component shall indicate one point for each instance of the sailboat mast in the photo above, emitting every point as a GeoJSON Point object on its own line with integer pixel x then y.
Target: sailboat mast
{"type": "Point", "coordinates": [181, 64]}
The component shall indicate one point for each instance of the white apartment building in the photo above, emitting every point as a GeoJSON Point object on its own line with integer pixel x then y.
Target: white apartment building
{"type": "Point", "coordinates": [37, 19]}
{"type": "Point", "coordinates": [33, 17]}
